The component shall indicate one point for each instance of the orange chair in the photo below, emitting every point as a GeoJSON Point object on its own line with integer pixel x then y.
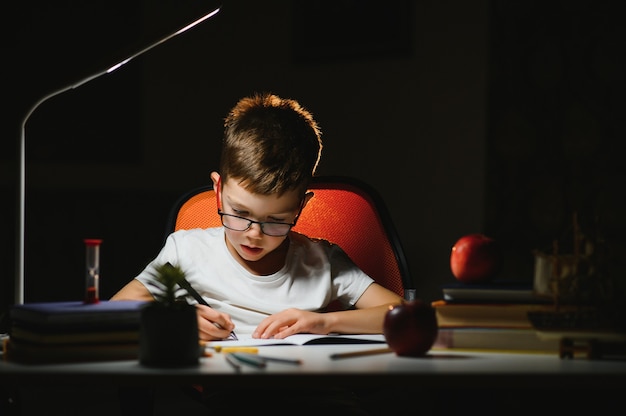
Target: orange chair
{"type": "Point", "coordinates": [343, 210]}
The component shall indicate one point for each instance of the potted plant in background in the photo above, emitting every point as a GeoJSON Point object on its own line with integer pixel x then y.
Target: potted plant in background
{"type": "Point", "coordinates": [168, 335]}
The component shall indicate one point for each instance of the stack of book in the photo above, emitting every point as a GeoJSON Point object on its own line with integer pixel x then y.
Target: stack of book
{"type": "Point", "coordinates": [54, 332]}
{"type": "Point", "coordinates": [491, 316]}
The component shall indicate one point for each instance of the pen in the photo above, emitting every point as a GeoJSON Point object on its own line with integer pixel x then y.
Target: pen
{"type": "Point", "coordinates": [266, 358]}
{"type": "Point", "coordinates": [250, 359]}
{"type": "Point", "coordinates": [360, 353]}
{"type": "Point", "coordinates": [193, 292]}
{"type": "Point", "coordinates": [231, 360]}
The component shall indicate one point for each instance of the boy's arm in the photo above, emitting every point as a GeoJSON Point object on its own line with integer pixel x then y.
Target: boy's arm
{"type": "Point", "coordinates": [376, 295]}
{"type": "Point", "coordinates": [134, 290]}
{"type": "Point", "coordinates": [369, 314]}
{"type": "Point", "coordinates": [368, 318]}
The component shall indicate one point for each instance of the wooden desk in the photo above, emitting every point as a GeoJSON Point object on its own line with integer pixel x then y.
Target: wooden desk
{"type": "Point", "coordinates": [440, 368]}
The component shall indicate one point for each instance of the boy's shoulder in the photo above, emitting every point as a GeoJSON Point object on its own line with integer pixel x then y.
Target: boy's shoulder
{"type": "Point", "coordinates": [308, 242]}
{"type": "Point", "coordinates": [197, 235]}
{"type": "Point", "coordinates": [299, 238]}
{"type": "Point", "coordinates": [194, 232]}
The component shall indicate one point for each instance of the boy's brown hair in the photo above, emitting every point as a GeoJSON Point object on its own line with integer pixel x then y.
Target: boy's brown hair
{"type": "Point", "coordinates": [271, 145]}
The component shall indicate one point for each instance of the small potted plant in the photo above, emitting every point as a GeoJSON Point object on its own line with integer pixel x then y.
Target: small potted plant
{"type": "Point", "coordinates": [169, 325]}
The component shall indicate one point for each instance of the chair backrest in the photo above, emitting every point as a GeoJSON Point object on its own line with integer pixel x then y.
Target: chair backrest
{"type": "Point", "coordinates": [343, 210]}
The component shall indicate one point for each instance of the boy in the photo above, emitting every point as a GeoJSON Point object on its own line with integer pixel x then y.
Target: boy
{"type": "Point", "coordinates": [261, 278]}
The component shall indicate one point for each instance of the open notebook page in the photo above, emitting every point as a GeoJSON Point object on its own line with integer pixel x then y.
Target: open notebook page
{"type": "Point", "coordinates": [302, 339]}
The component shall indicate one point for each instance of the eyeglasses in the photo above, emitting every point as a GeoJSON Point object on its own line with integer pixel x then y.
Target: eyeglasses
{"type": "Point", "coordinates": [273, 229]}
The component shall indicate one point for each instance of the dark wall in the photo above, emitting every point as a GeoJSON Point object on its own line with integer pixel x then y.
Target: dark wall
{"type": "Point", "coordinates": [557, 78]}
{"type": "Point", "coordinates": [411, 97]}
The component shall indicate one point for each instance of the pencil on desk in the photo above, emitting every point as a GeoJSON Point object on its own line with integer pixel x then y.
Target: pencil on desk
{"type": "Point", "coordinates": [361, 353]}
{"type": "Point", "coordinates": [233, 362]}
{"type": "Point", "coordinates": [293, 361]}
{"type": "Point", "coordinates": [251, 350]}
{"type": "Point", "coordinates": [250, 359]}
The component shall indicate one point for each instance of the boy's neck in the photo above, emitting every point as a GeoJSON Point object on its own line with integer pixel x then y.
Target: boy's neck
{"type": "Point", "coordinates": [269, 264]}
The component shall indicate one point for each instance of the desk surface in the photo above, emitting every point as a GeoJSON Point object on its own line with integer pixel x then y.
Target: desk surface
{"type": "Point", "coordinates": [439, 368]}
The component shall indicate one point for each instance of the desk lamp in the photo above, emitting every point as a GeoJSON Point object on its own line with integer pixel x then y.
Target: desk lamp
{"type": "Point", "coordinates": [19, 278]}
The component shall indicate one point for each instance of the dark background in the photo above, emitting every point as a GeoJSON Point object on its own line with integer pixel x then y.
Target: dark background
{"type": "Point", "coordinates": [494, 116]}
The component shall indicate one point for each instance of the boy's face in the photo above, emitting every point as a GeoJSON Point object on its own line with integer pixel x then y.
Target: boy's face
{"type": "Point", "coordinates": [254, 249]}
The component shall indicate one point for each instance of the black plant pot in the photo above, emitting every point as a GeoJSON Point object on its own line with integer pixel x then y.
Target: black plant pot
{"type": "Point", "coordinates": [168, 336]}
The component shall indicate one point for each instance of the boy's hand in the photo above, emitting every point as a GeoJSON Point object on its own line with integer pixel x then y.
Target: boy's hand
{"type": "Point", "coordinates": [213, 325]}
{"type": "Point", "coordinates": [291, 321]}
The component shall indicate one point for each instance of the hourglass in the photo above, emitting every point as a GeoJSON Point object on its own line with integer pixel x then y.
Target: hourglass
{"type": "Point", "coordinates": [92, 280]}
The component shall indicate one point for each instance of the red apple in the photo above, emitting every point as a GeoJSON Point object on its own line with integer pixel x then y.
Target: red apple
{"type": "Point", "coordinates": [475, 258]}
{"type": "Point", "coordinates": [410, 328]}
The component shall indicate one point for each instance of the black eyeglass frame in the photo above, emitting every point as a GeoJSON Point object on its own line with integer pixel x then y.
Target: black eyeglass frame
{"type": "Point", "coordinates": [261, 223]}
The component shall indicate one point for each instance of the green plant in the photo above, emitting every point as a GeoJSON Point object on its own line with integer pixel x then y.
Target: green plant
{"type": "Point", "coordinates": [169, 326]}
{"type": "Point", "coordinates": [168, 278]}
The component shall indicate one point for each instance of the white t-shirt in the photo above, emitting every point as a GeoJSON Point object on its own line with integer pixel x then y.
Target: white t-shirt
{"type": "Point", "coordinates": [316, 272]}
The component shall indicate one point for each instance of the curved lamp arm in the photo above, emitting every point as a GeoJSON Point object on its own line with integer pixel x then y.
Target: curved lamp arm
{"type": "Point", "coordinates": [19, 277]}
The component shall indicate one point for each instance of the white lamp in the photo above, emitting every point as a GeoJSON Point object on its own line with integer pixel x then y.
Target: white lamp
{"type": "Point", "coordinates": [19, 278]}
